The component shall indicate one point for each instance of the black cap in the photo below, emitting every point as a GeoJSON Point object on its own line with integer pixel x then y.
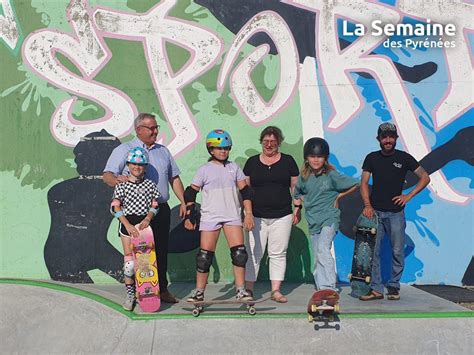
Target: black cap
{"type": "Point", "coordinates": [387, 128]}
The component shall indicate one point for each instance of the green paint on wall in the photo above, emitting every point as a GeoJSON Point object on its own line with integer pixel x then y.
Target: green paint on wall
{"type": "Point", "coordinates": [24, 228]}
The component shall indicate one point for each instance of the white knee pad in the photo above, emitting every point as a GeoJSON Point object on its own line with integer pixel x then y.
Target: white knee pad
{"type": "Point", "coordinates": [129, 268]}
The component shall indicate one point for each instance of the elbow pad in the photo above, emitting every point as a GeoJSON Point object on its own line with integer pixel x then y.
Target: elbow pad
{"type": "Point", "coordinates": [247, 193]}
{"type": "Point", "coordinates": [115, 203]}
{"type": "Point", "coordinates": [190, 194]}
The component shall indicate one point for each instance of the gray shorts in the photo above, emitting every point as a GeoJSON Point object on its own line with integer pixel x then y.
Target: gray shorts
{"type": "Point", "coordinates": [213, 226]}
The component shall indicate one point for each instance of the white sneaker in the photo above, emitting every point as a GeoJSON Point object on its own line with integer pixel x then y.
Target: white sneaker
{"type": "Point", "coordinates": [129, 303]}
{"type": "Point", "coordinates": [243, 295]}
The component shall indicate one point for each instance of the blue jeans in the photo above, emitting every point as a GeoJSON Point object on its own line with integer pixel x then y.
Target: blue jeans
{"type": "Point", "coordinates": [324, 264]}
{"type": "Point", "coordinates": [393, 224]}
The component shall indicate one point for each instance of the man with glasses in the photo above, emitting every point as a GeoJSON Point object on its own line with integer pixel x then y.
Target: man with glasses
{"type": "Point", "coordinates": [163, 171]}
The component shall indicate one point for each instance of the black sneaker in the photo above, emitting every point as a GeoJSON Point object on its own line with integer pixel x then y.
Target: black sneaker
{"type": "Point", "coordinates": [196, 296]}
{"type": "Point", "coordinates": [393, 293]}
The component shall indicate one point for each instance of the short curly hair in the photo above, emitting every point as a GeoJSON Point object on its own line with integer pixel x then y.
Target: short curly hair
{"type": "Point", "coordinates": [272, 130]}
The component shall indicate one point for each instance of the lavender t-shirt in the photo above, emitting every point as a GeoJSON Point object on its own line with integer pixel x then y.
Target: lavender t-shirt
{"type": "Point", "coordinates": [220, 197]}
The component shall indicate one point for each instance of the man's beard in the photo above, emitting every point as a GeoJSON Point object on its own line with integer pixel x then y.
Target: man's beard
{"type": "Point", "coordinates": [388, 151]}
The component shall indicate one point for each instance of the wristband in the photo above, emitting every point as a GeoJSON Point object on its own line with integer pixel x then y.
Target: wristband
{"type": "Point", "coordinates": [298, 206]}
{"type": "Point", "coordinates": [118, 214]}
{"type": "Point", "coordinates": [154, 210]}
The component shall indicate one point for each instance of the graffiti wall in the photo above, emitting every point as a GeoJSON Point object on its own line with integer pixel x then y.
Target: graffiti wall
{"type": "Point", "coordinates": [75, 73]}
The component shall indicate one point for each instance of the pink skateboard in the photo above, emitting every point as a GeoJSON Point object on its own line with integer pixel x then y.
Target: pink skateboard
{"type": "Point", "coordinates": [146, 271]}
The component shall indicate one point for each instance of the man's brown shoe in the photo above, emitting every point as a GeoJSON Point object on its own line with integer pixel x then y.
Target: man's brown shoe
{"type": "Point", "coordinates": [371, 296]}
{"type": "Point", "coordinates": [167, 297]}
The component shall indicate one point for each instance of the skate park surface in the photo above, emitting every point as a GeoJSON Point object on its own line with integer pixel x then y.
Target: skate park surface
{"type": "Point", "coordinates": [45, 317]}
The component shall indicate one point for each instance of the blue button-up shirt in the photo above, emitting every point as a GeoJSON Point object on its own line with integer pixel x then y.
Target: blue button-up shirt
{"type": "Point", "coordinates": [161, 168]}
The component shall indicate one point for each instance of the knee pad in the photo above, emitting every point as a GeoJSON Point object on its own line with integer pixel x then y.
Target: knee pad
{"type": "Point", "coordinates": [128, 266]}
{"type": "Point", "coordinates": [239, 255]}
{"type": "Point", "coordinates": [204, 260]}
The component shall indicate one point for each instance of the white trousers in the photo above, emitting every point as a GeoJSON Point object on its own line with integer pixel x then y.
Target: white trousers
{"type": "Point", "coordinates": [276, 233]}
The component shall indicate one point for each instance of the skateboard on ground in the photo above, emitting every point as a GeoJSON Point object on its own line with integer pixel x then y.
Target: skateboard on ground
{"type": "Point", "coordinates": [146, 271]}
{"type": "Point", "coordinates": [323, 306]}
{"type": "Point", "coordinates": [365, 232]}
{"type": "Point", "coordinates": [250, 305]}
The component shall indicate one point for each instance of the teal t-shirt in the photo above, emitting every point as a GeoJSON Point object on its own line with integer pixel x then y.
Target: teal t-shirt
{"type": "Point", "coordinates": [319, 193]}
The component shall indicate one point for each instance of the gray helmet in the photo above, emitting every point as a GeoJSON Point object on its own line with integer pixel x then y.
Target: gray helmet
{"type": "Point", "coordinates": [316, 146]}
{"type": "Point", "coordinates": [387, 128]}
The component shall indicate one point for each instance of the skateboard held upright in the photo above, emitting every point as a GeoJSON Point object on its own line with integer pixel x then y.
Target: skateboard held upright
{"type": "Point", "coordinates": [323, 306]}
{"type": "Point", "coordinates": [146, 271]}
{"type": "Point", "coordinates": [361, 273]}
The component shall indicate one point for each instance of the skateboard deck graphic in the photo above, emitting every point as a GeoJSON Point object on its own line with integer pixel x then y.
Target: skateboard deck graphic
{"type": "Point", "coordinates": [146, 271]}
{"type": "Point", "coordinates": [323, 306]}
{"type": "Point", "coordinates": [250, 305]}
{"type": "Point", "coordinates": [361, 273]}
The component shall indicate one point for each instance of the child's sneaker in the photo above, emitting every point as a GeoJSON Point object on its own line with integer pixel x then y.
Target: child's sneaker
{"type": "Point", "coordinates": [129, 303]}
{"type": "Point", "coordinates": [196, 296]}
{"type": "Point", "coordinates": [393, 294]}
{"type": "Point", "coordinates": [243, 295]}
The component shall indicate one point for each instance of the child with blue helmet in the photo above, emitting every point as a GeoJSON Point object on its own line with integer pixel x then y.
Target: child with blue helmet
{"type": "Point", "coordinates": [134, 201]}
{"type": "Point", "coordinates": [223, 187]}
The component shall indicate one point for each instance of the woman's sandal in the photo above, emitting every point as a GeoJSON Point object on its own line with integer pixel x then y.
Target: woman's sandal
{"type": "Point", "coordinates": [277, 296]}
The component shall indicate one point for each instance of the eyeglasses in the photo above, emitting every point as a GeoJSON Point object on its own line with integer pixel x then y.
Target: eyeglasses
{"type": "Point", "coordinates": [269, 142]}
{"type": "Point", "coordinates": [157, 127]}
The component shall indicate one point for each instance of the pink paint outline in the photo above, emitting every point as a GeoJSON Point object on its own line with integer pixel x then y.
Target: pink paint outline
{"type": "Point", "coordinates": [450, 82]}
{"type": "Point", "coordinates": [238, 50]}
{"type": "Point", "coordinates": [144, 41]}
{"type": "Point", "coordinates": [86, 77]}
{"type": "Point", "coordinates": [381, 88]}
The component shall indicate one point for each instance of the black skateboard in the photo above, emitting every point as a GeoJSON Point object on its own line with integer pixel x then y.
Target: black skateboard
{"type": "Point", "coordinates": [361, 273]}
{"type": "Point", "coordinates": [250, 305]}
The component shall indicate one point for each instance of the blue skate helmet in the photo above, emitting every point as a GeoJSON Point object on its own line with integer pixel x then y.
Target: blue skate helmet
{"type": "Point", "coordinates": [218, 138]}
{"type": "Point", "coordinates": [138, 156]}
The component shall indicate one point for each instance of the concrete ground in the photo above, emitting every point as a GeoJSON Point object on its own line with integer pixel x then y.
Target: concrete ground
{"type": "Point", "coordinates": [52, 318]}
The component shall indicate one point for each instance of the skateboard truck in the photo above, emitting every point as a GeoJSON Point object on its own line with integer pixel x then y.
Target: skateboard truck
{"type": "Point", "coordinates": [323, 307]}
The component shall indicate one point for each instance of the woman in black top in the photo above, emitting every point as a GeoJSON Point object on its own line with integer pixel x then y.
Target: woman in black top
{"type": "Point", "coordinates": [272, 175]}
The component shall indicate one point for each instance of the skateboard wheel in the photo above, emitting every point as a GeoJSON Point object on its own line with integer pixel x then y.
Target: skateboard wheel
{"type": "Point", "coordinates": [367, 279]}
{"type": "Point", "coordinates": [252, 311]}
{"type": "Point", "coordinates": [373, 231]}
{"type": "Point", "coordinates": [349, 276]}
{"type": "Point", "coordinates": [337, 327]}
{"type": "Point", "coordinates": [196, 312]}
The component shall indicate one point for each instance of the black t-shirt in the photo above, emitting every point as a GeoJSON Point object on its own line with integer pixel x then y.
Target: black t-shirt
{"type": "Point", "coordinates": [271, 185]}
{"type": "Point", "coordinates": [388, 176]}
